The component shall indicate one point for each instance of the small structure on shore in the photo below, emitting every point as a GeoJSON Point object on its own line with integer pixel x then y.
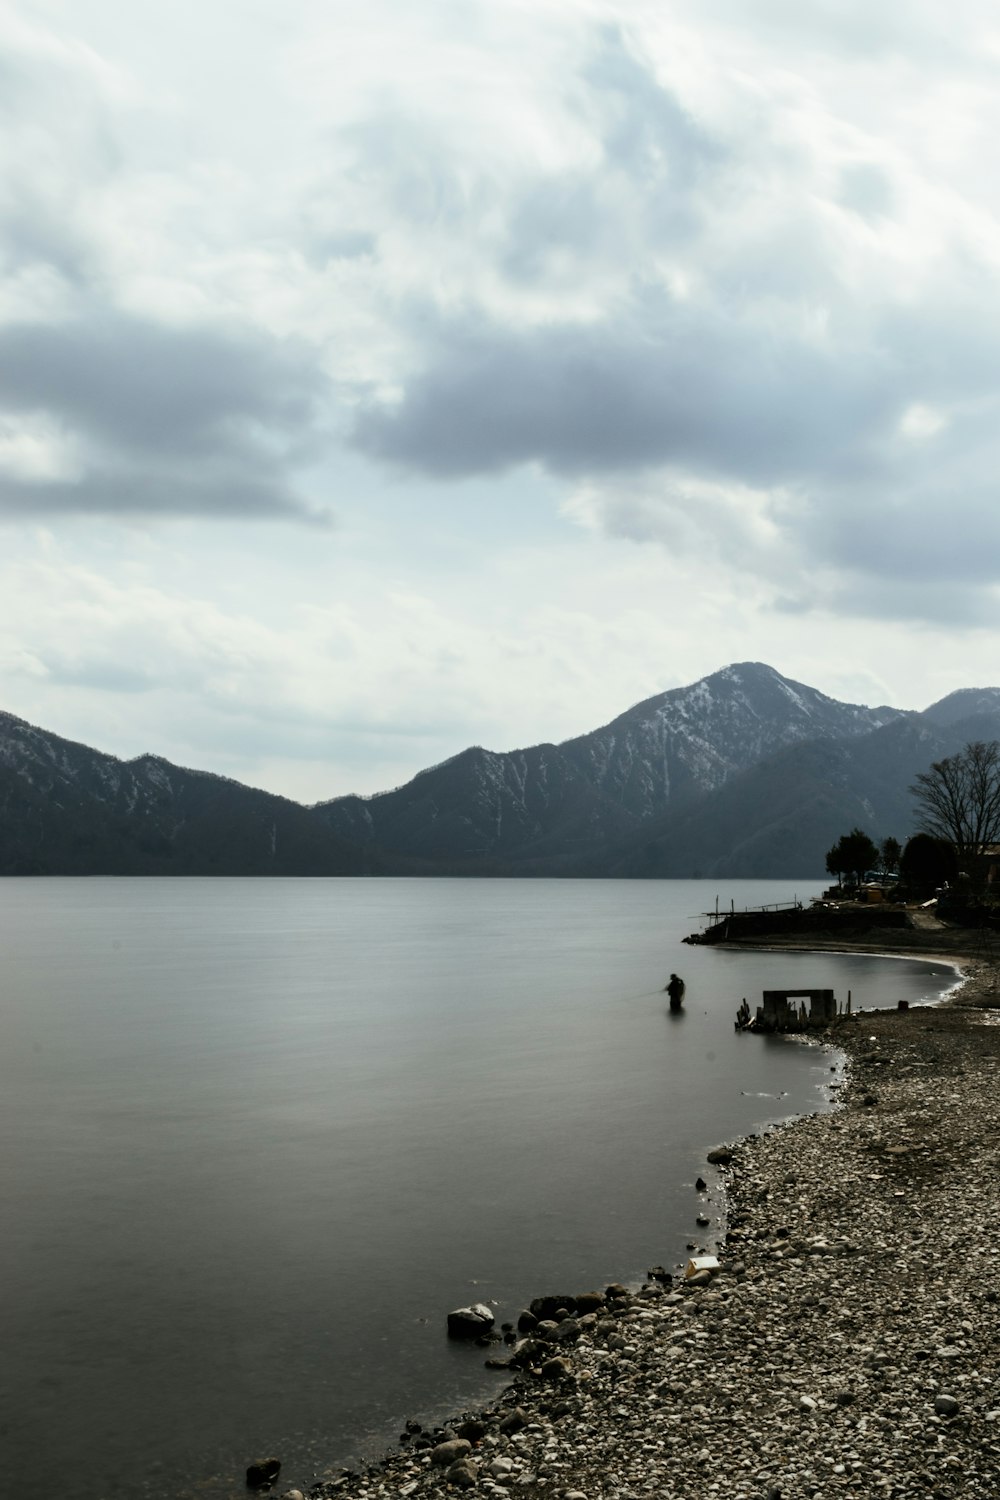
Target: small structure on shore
{"type": "Point", "coordinates": [779, 1011]}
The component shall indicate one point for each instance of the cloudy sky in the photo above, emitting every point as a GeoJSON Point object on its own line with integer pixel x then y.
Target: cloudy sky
{"type": "Point", "coordinates": [378, 379]}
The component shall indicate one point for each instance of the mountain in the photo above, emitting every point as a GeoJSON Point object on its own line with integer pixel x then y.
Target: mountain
{"type": "Point", "coordinates": [565, 809]}
{"type": "Point", "coordinates": [68, 810]}
{"type": "Point", "coordinates": [780, 817]}
{"type": "Point", "coordinates": [745, 773]}
{"type": "Point", "coordinates": [963, 706]}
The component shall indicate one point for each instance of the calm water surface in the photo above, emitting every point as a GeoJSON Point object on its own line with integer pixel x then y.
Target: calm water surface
{"type": "Point", "coordinates": [258, 1137]}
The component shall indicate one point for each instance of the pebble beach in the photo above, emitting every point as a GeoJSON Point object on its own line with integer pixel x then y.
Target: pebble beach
{"type": "Point", "coordinates": [848, 1344]}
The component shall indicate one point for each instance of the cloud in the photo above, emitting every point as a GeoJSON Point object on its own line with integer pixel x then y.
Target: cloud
{"type": "Point", "coordinates": [155, 388]}
{"type": "Point", "coordinates": [132, 378]}
{"type": "Point", "coordinates": [136, 492]}
{"type": "Point", "coordinates": [666, 383]}
{"type": "Point", "coordinates": [742, 284]}
{"type": "Point", "coordinates": [639, 120]}
{"type": "Point", "coordinates": [867, 189]}
{"type": "Point", "coordinates": [666, 298]}
{"type": "Point", "coordinates": [619, 334]}
{"type": "Point", "coordinates": [691, 518]}
{"type": "Point", "coordinates": [33, 233]}
{"type": "Point", "coordinates": [161, 419]}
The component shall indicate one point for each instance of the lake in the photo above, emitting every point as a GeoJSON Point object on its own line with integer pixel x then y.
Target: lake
{"type": "Point", "coordinates": [260, 1136]}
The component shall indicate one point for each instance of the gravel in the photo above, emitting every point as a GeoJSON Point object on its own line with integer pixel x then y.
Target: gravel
{"type": "Point", "coordinates": [848, 1345]}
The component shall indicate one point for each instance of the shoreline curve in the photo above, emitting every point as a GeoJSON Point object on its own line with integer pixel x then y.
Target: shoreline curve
{"type": "Point", "coordinates": [840, 1349]}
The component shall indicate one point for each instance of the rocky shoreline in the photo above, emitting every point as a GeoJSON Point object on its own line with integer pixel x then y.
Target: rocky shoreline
{"type": "Point", "coordinates": [849, 1344]}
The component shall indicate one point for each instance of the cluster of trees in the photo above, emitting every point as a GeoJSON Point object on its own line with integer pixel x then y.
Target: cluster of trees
{"type": "Point", "coordinates": [856, 855]}
{"type": "Point", "coordinates": [958, 802]}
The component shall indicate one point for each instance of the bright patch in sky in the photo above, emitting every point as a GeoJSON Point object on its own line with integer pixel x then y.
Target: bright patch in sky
{"type": "Point", "coordinates": [379, 380]}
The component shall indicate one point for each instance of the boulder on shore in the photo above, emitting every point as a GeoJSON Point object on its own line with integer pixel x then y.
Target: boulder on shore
{"type": "Point", "coordinates": [547, 1307]}
{"type": "Point", "coordinates": [262, 1472]}
{"type": "Point", "coordinates": [470, 1322]}
{"type": "Point", "coordinates": [451, 1452]}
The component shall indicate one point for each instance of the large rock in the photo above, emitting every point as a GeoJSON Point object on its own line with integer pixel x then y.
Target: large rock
{"type": "Point", "coordinates": [464, 1474]}
{"type": "Point", "coordinates": [566, 1332]}
{"type": "Point", "coordinates": [470, 1322]}
{"type": "Point", "coordinates": [446, 1454]}
{"type": "Point", "coordinates": [262, 1472]}
{"type": "Point", "coordinates": [526, 1352]}
{"type": "Point", "coordinates": [544, 1308]}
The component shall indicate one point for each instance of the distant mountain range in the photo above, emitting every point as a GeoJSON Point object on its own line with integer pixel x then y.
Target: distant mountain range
{"type": "Point", "coordinates": [743, 774]}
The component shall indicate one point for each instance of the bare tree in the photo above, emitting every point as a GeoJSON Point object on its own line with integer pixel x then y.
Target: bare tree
{"type": "Point", "coordinates": [959, 798]}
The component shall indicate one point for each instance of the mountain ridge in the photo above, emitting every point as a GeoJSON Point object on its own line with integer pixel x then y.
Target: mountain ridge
{"type": "Point", "coordinates": [745, 772]}
{"type": "Point", "coordinates": [666, 751]}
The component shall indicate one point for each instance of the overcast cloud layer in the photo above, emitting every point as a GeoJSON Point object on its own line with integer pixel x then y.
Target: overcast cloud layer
{"type": "Point", "coordinates": [377, 380]}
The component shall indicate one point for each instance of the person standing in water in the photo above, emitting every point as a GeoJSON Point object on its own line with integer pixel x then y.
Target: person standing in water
{"type": "Point", "coordinates": [675, 989]}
